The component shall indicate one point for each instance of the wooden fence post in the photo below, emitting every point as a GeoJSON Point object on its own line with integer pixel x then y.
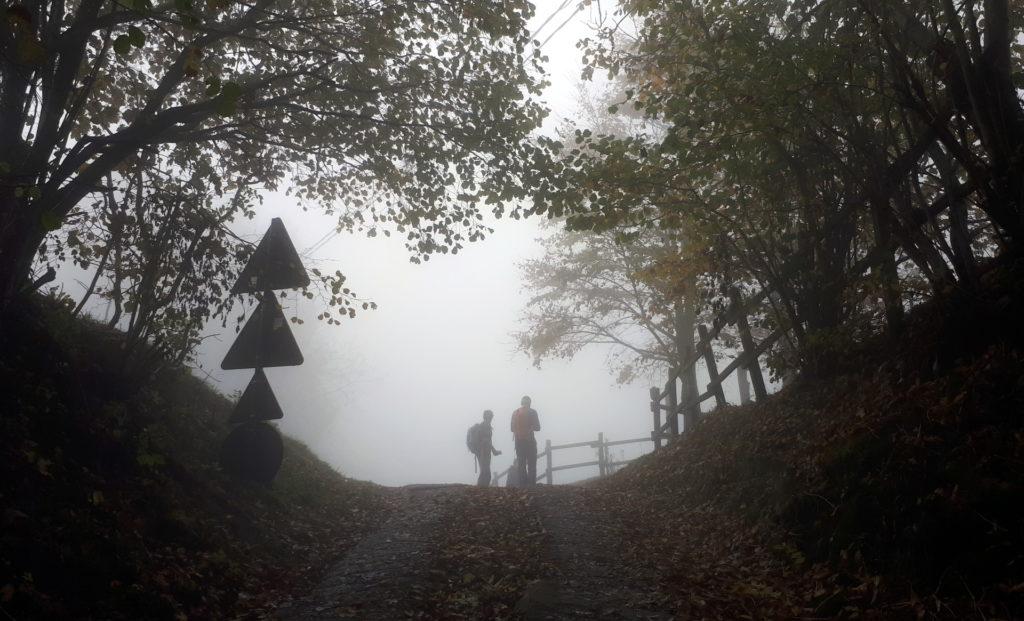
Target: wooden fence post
{"type": "Point", "coordinates": [685, 320]}
{"type": "Point", "coordinates": [709, 360]}
{"type": "Point", "coordinates": [601, 466]}
{"type": "Point", "coordinates": [547, 450]}
{"type": "Point", "coordinates": [743, 384]}
{"type": "Point", "coordinates": [673, 405]}
{"type": "Point", "coordinates": [656, 413]}
{"type": "Point", "coordinates": [749, 350]}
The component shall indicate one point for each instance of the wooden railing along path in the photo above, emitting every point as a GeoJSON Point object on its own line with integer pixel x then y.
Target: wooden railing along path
{"type": "Point", "coordinates": [605, 463]}
{"type": "Point", "coordinates": [675, 403]}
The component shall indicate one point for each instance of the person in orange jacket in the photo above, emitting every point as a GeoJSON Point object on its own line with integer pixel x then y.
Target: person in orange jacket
{"type": "Point", "coordinates": [524, 423]}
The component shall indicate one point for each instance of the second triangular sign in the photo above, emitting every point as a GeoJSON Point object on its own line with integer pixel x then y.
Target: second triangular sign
{"type": "Point", "coordinates": [265, 340]}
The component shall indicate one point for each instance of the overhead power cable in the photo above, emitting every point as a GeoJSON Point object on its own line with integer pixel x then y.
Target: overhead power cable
{"type": "Point", "coordinates": [562, 25]}
{"type": "Point", "coordinates": [550, 17]}
{"type": "Point", "coordinates": [320, 243]}
{"type": "Point", "coordinates": [545, 42]}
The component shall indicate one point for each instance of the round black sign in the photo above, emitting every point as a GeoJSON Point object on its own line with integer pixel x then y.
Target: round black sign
{"type": "Point", "coordinates": [253, 451]}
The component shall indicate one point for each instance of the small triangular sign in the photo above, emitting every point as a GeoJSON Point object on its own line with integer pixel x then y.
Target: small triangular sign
{"type": "Point", "coordinates": [265, 340]}
{"type": "Point", "coordinates": [273, 265]}
{"type": "Point", "coordinates": [257, 402]}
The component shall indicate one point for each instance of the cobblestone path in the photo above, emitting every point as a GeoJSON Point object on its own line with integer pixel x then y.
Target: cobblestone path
{"type": "Point", "coordinates": [393, 574]}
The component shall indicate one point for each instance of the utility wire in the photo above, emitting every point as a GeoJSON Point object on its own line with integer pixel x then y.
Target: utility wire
{"type": "Point", "coordinates": [564, 4]}
{"type": "Point", "coordinates": [316, 243]}
{"type": "Point", "coordinates": [330, 235]}
{"type": "Point", "coordinates": [325, 242]}
{"type": "Point", "coordinates": [562, 25]}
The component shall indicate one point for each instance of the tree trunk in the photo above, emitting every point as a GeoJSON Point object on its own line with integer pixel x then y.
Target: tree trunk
{"type": "Point", "coordinates": [743, 383]}
{"type": "Point", "coordinates": [92, 284]}
{"type": "Point", "coordinates": [917, 245]}
{"type": "Point", "coordinates": [20, 238]}
{"type": "Point", "coordinates": [685, 324]}
{"type": "Point", "coordinates": [891, 297]}
{"type": "Point", "coordinates": [963, 259]}
{"type": "Point", "coordinates": [1005, 114]}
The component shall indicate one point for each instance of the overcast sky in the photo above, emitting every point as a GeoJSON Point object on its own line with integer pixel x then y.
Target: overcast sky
{"type": "Point", "coordinates": [388, 396]}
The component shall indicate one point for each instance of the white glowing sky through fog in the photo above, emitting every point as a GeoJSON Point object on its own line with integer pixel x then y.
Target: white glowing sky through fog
{"type": "Point", "coordinates": [388, 396]}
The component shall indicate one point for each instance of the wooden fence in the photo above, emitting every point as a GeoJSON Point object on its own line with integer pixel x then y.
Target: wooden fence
{"type": "Point", "coordinates": [675, 403]}
{"type": "Point", "coordinates": [606, 465]}
{"type": "Point", "coordinates": [671, 401]}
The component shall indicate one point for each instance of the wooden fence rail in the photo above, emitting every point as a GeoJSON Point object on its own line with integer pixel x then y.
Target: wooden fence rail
{"type": "Point", "coordinates": [667, 400]}
{"type": "Point", "coordinates": [674, 404]}
{"type": "Point", "coordinates": [605, 464]}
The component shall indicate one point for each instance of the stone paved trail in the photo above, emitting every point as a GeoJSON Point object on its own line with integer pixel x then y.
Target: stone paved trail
{"type": "Point", "coordinates": [591, 582]}
{"type": "Point", "coordinates": [374, 579]}
{"type": "Point", "coordinates": [386, 576]}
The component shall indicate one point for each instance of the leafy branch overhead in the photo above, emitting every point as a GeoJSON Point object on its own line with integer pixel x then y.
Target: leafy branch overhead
{"type": "Point", "coordinates": [853, 157]}
{"type": "Point", "coordinates": [413, 116]}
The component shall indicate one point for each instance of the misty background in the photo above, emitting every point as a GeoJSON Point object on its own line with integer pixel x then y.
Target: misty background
{"type": "Point", "coordinates": [388, 396]}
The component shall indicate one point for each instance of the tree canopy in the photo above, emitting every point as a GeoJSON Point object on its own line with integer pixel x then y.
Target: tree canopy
{"type": "Point", "coordinates": [630, 292]}
{"type": "Point", "coordinates": [408, 115]}
{"type": "Point", "coordinates": [851, 156]}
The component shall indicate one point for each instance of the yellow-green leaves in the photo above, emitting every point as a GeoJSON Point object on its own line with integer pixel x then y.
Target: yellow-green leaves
{"type": "Point", "coordinates": [193, 60]}
{"type": "Point", "coordinates": [49, 220]}
{"type": "Point", "coordinates": [134, 38]}
{"type": "Point", "coordinates": [227, 100]}
{"type": "Point", "coordinates": [213, 85]}
{"type": "Point", "coordinates": [28, 49]}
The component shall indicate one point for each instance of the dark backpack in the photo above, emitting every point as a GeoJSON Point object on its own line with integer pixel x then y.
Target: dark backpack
{"type": "Point", "coordinates": [473, 438]}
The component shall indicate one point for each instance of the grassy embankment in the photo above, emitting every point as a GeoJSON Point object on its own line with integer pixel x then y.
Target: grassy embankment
{"type": "Point", "coordinates": [889, 490]}
{"type": "Point", "coordinates": [114, 505]}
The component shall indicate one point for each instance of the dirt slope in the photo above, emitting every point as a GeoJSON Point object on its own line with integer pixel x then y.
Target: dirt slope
{"type": "Point", "coordinates": [891, 490]}
{"type": "Point", "coordinates": [113, 505]}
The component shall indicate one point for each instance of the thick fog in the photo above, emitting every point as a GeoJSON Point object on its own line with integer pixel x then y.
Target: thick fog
{"type": "Point", "coordinates": [388, 396]}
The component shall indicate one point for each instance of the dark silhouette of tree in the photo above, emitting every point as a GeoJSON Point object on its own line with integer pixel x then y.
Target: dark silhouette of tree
{"type": "Point", "coordinates": [852, 157]}
{"type": "Point", "coordinates": [409, 115]}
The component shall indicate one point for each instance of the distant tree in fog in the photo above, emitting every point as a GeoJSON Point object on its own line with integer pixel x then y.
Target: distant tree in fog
{"type": "Point", "coordinates": [638, 295]}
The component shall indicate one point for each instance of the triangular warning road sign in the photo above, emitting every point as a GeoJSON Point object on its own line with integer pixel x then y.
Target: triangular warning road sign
{"type": "Point", "coordinates": [265, 340]}
{"type": "Point", "coordinates": [258, 401]}
{"type": "Point", "coordinates": [273, 265]}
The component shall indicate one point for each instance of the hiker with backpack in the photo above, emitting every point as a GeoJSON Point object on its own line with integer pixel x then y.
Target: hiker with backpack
{"type": "Point", "coordinates": [478, 441]}
{"type": "Point", "coordinates": [524, 423]}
